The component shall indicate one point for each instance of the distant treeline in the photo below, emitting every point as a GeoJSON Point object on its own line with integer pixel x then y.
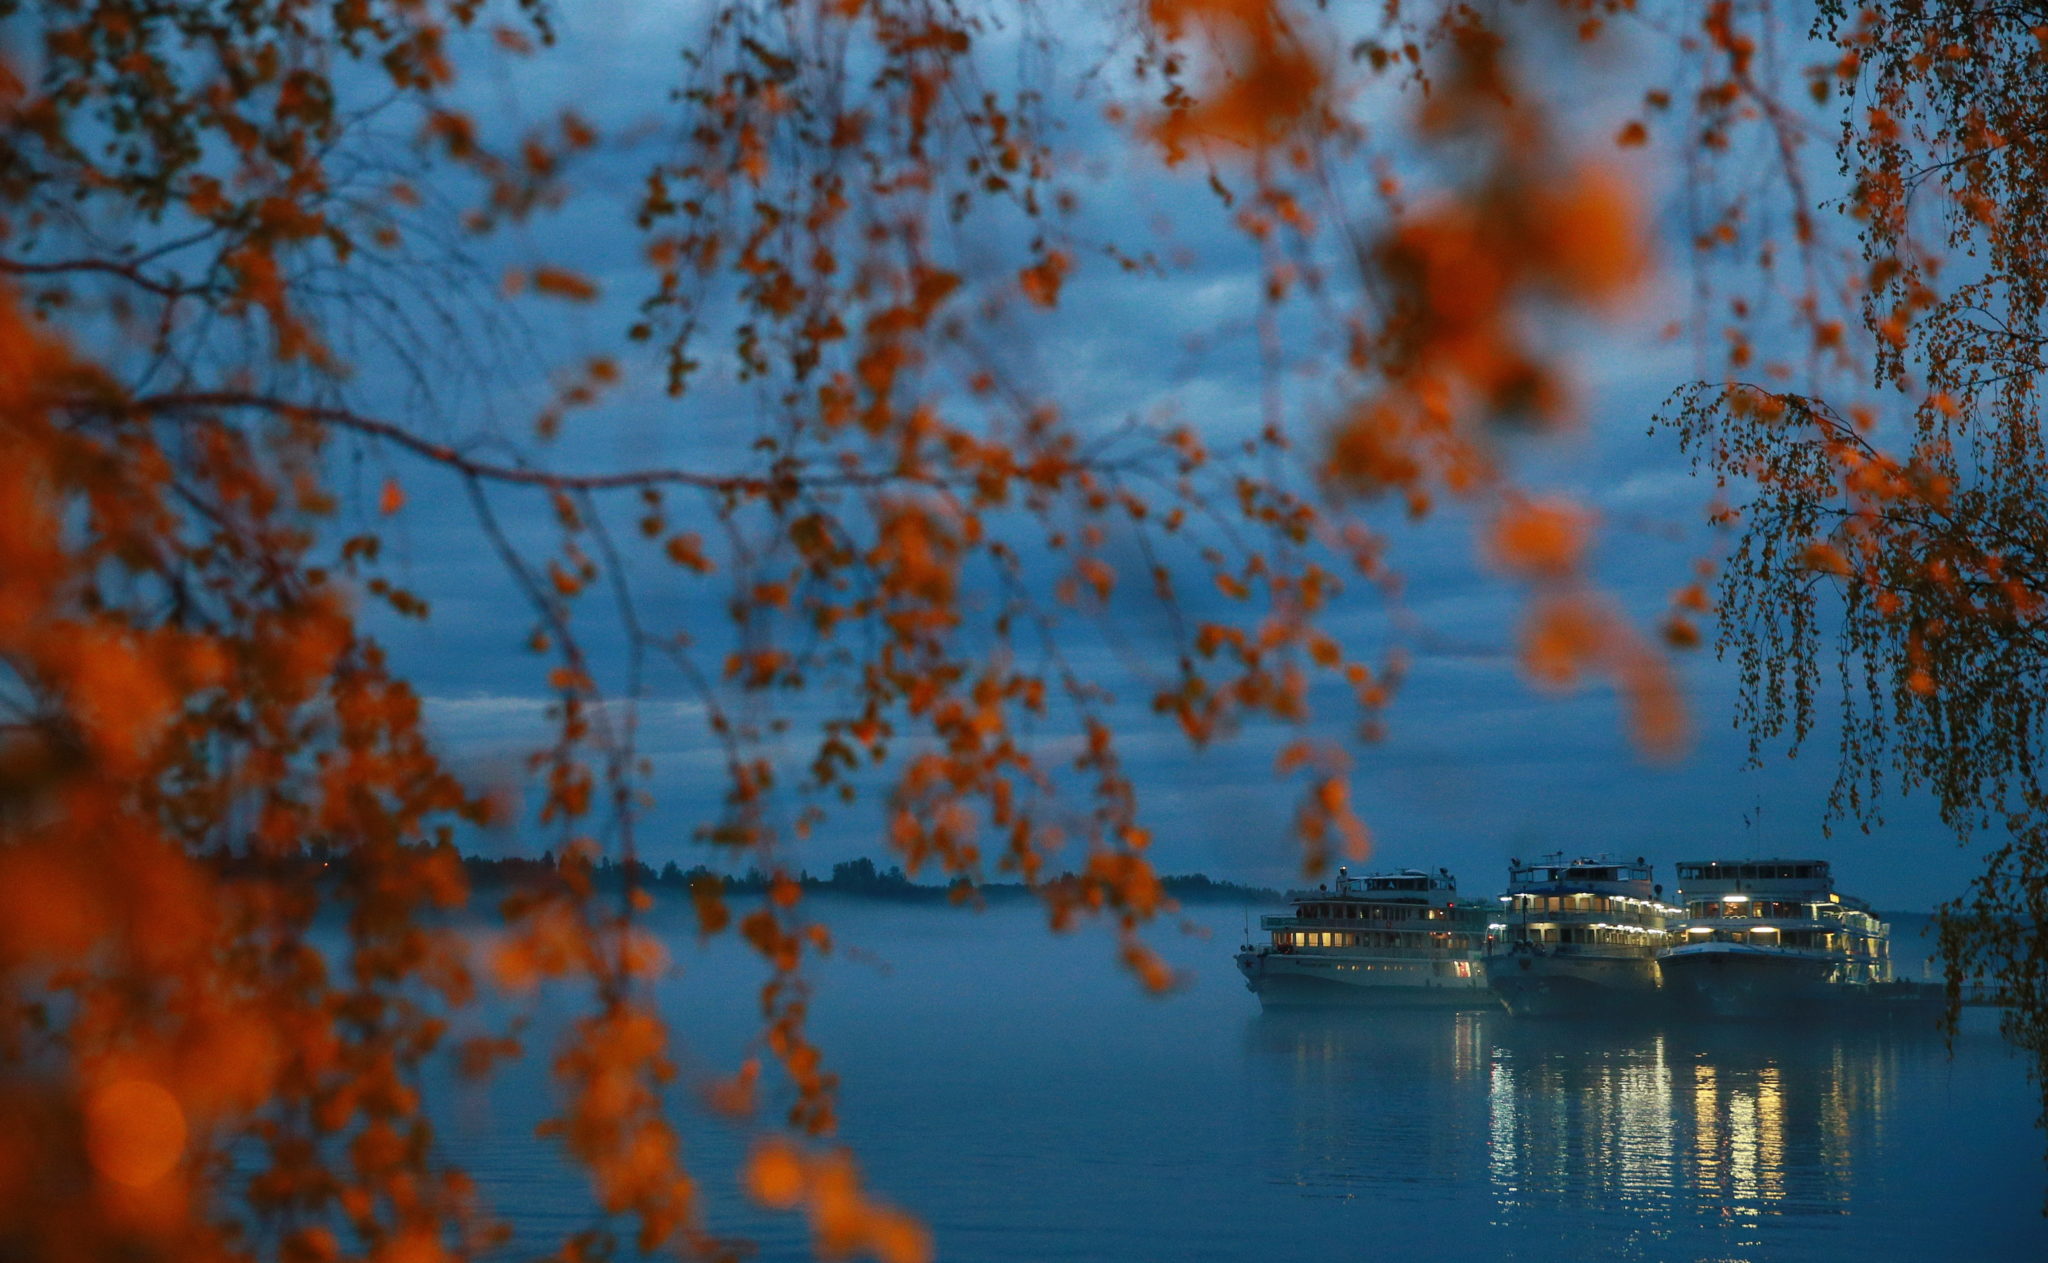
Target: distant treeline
{"type": "Point", "coordinates": [859, 879]}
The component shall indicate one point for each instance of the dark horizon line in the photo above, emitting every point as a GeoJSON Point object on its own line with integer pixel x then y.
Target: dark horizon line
{"type": "Point", "coordinates": [861, 877]}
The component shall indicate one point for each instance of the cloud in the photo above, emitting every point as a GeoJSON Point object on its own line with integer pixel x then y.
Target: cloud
{"type": "Point", "coordinates": [1476, 765]}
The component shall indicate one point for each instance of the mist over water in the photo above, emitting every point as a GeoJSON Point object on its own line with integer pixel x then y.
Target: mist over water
{"type": "Point", "coordinates": [1021, 1095]}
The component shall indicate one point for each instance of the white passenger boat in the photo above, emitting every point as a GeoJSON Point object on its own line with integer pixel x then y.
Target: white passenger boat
{"type": "Point", "coordinates": [1773, 938]}
{"type": "Point", "coordinates": [1392, 940]}
{"type": "Point", "coordinates": [1579, 936]}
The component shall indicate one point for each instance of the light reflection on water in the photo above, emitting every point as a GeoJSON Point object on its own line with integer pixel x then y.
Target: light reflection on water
{"type": "Point", "coordinates": [1709, 1141]}
{"type": "Point", "coordinates": [1016, 1093]}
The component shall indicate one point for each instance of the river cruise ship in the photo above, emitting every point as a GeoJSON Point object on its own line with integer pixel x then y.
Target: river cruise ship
{"type": "Point", "coordinates": [1579, 936]}
{"type": "Point", "coordinates": [1389, 940]}
{"type": "Point", "coordinates": [1772, 938]}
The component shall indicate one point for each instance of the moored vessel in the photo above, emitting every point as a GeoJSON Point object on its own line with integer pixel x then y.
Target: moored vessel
{"type": "Point", "coordinates": [1392, 940]}
{"type": "Point", "coordinates": [1774, 939]}
{"type": "Point", "coordinates": [1579, 936]}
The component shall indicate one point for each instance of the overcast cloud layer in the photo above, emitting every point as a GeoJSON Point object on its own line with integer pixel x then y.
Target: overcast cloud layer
{"type": "Point", "coordinates": [1477, 766]}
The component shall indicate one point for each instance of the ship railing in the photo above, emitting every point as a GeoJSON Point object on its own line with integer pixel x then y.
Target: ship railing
{"type": "Point", "coordinates": [1588, 916]}
{"type": "Point", "coordinates": [1398, 925]}
{"type": "Point", "coordinates": [1388, 953]}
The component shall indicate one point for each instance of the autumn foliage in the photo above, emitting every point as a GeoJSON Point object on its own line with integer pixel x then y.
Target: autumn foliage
{"type": "Point", "coordinates": [226, 226]}
{"type": "Point", "coordinates": [1881, 466]}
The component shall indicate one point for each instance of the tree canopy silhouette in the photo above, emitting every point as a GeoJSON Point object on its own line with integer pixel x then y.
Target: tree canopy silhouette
{"type": "Point", "coordinates": [1888, 493]}
{"type": "Point", "coordinates": [269, 262]}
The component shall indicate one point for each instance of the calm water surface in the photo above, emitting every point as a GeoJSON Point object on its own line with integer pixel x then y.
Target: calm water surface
{"type": "Point", "coordinates": [1019, 1094]}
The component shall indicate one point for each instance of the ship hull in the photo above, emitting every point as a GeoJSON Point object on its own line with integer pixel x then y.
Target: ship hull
{"type": "Point", "coordinates": [1753, 985]}
{"type": "Point", "coordinates": [1580, 986]}
{"type": "Point", "coordinates": [1293, 982]}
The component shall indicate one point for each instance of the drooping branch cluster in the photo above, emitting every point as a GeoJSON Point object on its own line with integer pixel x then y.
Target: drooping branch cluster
{"type": "Point", "coordinates": [1890, 506]}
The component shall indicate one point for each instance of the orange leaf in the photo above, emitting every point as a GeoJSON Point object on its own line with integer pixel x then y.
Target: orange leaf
{"type": "Point", "coordinates": [135, 1132]}
{"type": "Point", "coordinates": [562, 283]}
{"type": "Point", "coordinates": [687, 551]}
{"type": "Point", "coordinates": [775, 1175]}
{"type": "Point", "coordinates": [1589, 236]}
{"type": "Point", "coordinates": [1561, 639]}
{"type": "Point", "coordinates": [1042, 280]}
{"type": "Point", "coordinates": [1825, 558]}
{"type": "Point", "coordinates": [1541, 539]}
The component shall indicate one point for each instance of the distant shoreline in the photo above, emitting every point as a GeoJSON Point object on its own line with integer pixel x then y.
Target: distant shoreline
{"type": "Point", "coordinates": [851, 879]}
{"type": "Point", "coordinates": [855, 879]}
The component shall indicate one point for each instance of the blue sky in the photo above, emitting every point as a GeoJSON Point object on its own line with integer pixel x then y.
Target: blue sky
{"type": "Point", "coordinates": [1477, 766]}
